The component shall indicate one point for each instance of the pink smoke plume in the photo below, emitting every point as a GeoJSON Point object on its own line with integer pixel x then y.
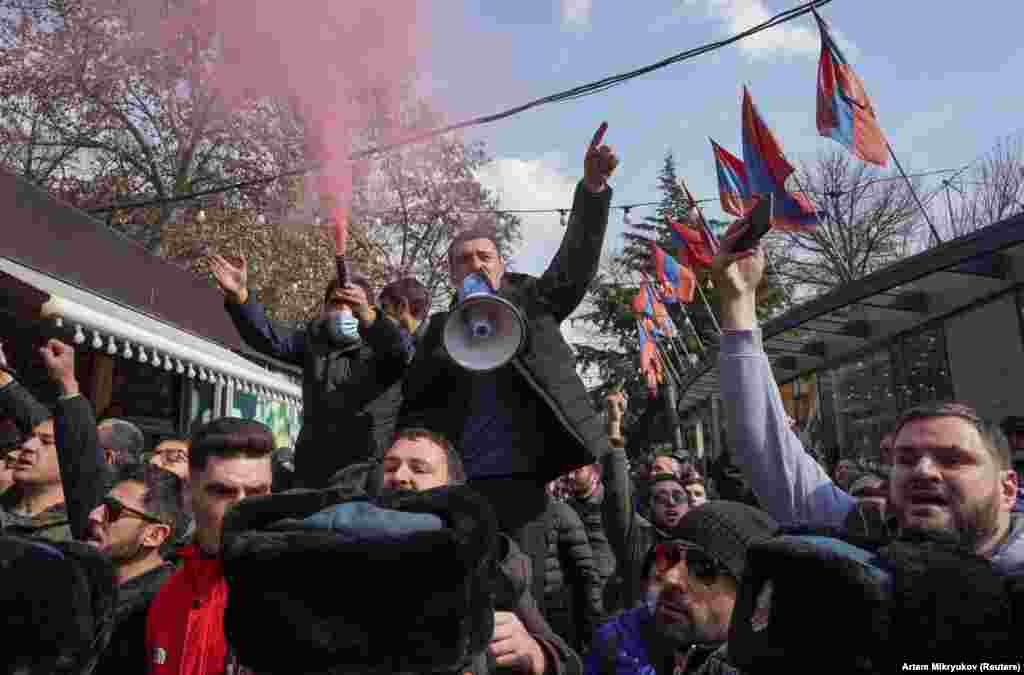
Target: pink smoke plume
{"type": "Point", "coordinates": [322, 55]}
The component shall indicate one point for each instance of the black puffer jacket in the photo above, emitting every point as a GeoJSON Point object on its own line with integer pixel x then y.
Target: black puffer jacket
{"type": "Point", "coordinates": [589, 509]}
{"type": "Point", "coordinates": [350, 393]}
{"type": "Point", "coordinates": [572, 586]}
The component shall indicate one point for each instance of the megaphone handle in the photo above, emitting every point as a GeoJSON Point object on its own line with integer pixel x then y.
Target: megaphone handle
{"type": "Point", "coordinates": [339, 263]}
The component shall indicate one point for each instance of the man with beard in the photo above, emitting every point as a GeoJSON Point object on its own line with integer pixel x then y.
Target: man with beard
{"type": "Point", "coordinates": [696, 576]}
{"type": "Point", "coordinates": [135, 523]}
{"type": "Point", "coordinates": [586, 499]}
{"type": "Point", "coordinates": [951, 468]}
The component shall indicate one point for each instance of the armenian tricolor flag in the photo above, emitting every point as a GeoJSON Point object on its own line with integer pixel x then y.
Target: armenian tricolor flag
{"type": "Point", "coordinates": [845, 113]}
{"type": "Point", "coordinates": [733, 186]}
{"type": "Point", "coordinates": [767, 171]}
{"type": "Point", "coordinates": [676, 282]}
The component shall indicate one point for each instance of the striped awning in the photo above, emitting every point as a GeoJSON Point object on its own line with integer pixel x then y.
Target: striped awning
{"type": "Point", "coordinates": [126, 333]}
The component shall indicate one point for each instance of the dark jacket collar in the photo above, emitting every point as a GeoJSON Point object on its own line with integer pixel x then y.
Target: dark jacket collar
{"type": "Point", "coordinates": [137, 592]}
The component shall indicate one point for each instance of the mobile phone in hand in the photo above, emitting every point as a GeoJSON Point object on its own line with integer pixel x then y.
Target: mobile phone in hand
{"type": "Point", "coordinates": [760, 219]}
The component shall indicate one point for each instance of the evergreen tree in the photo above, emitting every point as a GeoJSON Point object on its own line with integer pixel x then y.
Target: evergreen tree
{"type": "Point", "coordinates": [618, 281]}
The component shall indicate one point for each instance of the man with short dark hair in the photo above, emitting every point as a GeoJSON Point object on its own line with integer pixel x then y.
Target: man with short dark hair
{"type": "Point", "coordinates": [420, 460]}
{"type": "Point", "coordinates": [951, 468]}
{"type": "Point", "coordinates": [121, 441]}
{"type": "Point", "coordinates": [630, 534]}
{"type": "Point", "coordinates": [352, 364]}
{"type": "Point", "coordinates": [531, 420]}
{"type": "Point", "coordinates": [523, 641]}
{"type": "Point", "coordinates": [135, 523]}
{"type": "Point", "coordinates": [587, 499]}
{"type": "Point", "coordinates": [58, 469]}
{"type": "Point", "coordinates": [229, 461]}
{"type": "Point", "coordinates": [407, 303]}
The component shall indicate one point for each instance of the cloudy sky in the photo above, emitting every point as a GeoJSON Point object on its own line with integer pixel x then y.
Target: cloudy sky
{"type": "Point", "coordinates": [942, 79]}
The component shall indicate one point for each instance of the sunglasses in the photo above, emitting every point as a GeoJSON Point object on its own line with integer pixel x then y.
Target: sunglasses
{"type": "Point", "coordinates": [698, 562]}
{"type": "Point", "coordinates": [671, 498]}
{"type": "Point", "coordinates": [116, 509]}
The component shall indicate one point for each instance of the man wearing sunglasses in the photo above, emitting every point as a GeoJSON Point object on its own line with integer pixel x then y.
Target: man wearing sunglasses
{"type": "Point", "coordinates": [690, 596]}
{"type": "Point", "coordinates": [631, 535]}
{"type": "Point", "coordinates": [134, 525]}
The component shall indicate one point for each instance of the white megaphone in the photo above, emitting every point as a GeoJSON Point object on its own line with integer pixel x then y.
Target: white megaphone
{"type": "Point", "coordinates": [484, 331]}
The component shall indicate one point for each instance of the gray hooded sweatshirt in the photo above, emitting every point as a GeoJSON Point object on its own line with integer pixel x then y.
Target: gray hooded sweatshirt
{"type": "Point", "coordinates": [790, 485]}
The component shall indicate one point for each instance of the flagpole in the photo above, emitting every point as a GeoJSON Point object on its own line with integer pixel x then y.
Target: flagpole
{"type": "Point", "coordinates": [708, 307]}
{"type": "Point", "coordinates": [927, 218]}
{"type": "Point", "coordinates": [693, 329]}
{"type": "Point", "coordinates": [775, 270]}
{"type": "Point", "coordinates": [704, 225]}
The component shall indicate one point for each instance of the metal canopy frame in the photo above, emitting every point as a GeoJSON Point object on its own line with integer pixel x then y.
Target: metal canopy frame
{"type": "Point", "coordinates": [978, 254]}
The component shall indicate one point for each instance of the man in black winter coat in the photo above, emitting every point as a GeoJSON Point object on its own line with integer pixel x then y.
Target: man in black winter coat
{"type": "Point", "coordinates": [353, 360]}
{"type": "Point", "coordinates": [572, 585]}
{"type": "Point", "coordinates": [138, 519]}
{"type": "Point", "coordinates": [631, 535]}
{"type": "Point", "coordinates": [531, 420]}
{"type": "Point", "coordinates": [587, 499]}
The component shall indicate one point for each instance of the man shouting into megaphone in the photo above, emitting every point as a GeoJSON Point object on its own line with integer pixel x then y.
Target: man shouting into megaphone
{"type": "Point", "coordinates": [496, 376]}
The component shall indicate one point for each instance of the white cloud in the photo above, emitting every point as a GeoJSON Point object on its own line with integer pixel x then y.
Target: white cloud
{"type": "Point", "coordinates": [576, 13]}
{"type": "Point", "coordinates": [532, 184]}
{"type": "Point", "coordinates": [795, 38]}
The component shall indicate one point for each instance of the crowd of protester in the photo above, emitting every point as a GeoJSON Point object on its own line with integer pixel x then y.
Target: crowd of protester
{"type": "Point", "coordinates": [435, 520]}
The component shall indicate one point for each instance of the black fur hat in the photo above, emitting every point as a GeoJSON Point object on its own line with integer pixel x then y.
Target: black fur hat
{"type": "Point", "coordinates": [808, 599]}
{"type": "Point", "coordinates": [418, 603]}
{"type": "Point", "coordinates": [948, 605]}
{"type": "Point", "coordinates": [57, 601]}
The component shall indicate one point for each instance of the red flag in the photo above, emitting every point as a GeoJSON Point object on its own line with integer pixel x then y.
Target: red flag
{"type": "Point", "coordinates": [693, 250]}
{"type": "Point", "coordinates": [733, 187]}
{"type": "Point", "coordinates": [768, 169]}
{"type": "Point", "coordinates": [845, 113]}
{"type": "Point", "coordinates": [650, 362]}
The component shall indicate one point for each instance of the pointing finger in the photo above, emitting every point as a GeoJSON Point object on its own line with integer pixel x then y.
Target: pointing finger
{"type": "Point", "coordinates": [598, 136]}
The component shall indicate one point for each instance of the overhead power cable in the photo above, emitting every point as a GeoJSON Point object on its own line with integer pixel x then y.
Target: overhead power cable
{"type": "Point", "coordinates": [569, 94]}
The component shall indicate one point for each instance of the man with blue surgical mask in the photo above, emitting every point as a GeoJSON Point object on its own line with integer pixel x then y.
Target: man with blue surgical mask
{"type": "Point", "coordinates": [353, 361]}
{"type": "Point", "coordinates": [529, 421]}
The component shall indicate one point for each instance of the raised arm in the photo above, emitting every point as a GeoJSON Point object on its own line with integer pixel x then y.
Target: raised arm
{"type": "Point", "coordinates": [617, 509]}
{"type": "Point", "coordinates": [259, 332]}
{"type": "Point", "coordinates": [78, 452]}
{"type": "Point", "coordinates": [16, 402]}
{"type": "Point", "coordinates": [574, 266]}
{"type": "Point", "coordinates": [789, 484]}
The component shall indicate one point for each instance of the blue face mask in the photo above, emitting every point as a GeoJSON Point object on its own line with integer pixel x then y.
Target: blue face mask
{"type": "Point", "coordinates": [342, 326]}
{"type": "Point", "coordinates": [480, 325]}
{"type": "Point", "coordinates": [474, 284]}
